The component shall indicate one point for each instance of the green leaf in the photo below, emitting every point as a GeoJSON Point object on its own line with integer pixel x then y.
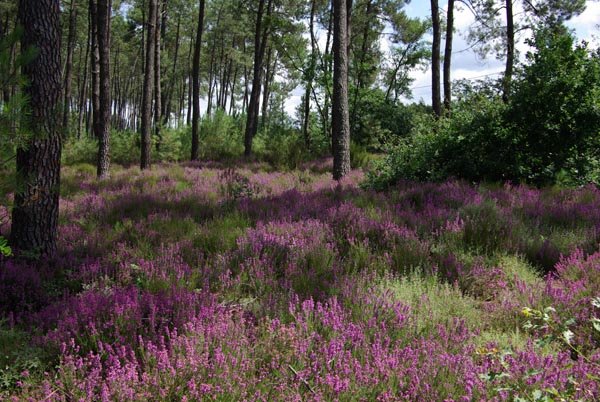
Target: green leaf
{"type": "Point", "coordinates": [5, 250]}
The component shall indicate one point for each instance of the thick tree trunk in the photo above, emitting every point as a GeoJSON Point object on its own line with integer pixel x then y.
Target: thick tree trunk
{"type": "Point", "coordinates": [102, 124]}
{"type": "Point", "coordinates": [196, 84]}
{"type": "Point", "coordinates": [340, 118]}
{"type": "Point", "coordinates": [148, 85]}
{"type": "Point", "coordinates": [35, 211]}
{"type": "Point", "coordinates": [510, 51]}
{"type": "Point", "coordinates": [448, 56]}
{"type": "Point", "coordinates": [436, 99]}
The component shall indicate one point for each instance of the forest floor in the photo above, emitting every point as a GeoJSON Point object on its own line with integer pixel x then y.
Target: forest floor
{"type": "Point", "coordinates": [193, 281]}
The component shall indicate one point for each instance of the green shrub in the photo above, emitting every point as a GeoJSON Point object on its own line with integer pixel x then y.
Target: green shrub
{"type": "Point", "coordinates": [548, 132]}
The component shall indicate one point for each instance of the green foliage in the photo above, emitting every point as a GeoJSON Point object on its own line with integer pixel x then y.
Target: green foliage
{"type": "Point", "coordinates": [12, 111]}
{"type": "Point", "coordinates": [221, 136]}
{"type": "Point", "coordinates": [547, 133]}
{"type": "Point", "coordinates": [554, 113]}
{"type": "Point", "coordinates": [84, 150]}
{"type": "Point", "coordinates": [19, 359]}
{"type": "Point", "coordinates": [5, 249]}
{"type": "Point", "coordinates": [378, 120]}
{"type": "Point", "coordinates": [281, 146]}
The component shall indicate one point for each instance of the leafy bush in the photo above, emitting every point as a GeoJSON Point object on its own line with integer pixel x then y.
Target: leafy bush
{"type": "Point", "coordinates": [554, 114]}
{"type": "Point", "coordinates": [548, 131]}
{"type": "Point", "coordinates": [281, 146]}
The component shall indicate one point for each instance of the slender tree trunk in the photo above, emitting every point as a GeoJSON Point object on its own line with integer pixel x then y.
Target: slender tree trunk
{"type": "Point", "coordinates": [436, 99]}
{"type": "Point", "coordinates": [360, 78]}
{"type": "Point", "coordinates": [328, 68]}
{"type": "Point", "coordinates": [196, 84]}
{"type": "Point", "coordinates": [69, 65]}
{"type": "Point", "coordinates": [232, 108]}
{"type": "Point", "coordinates": [84, 85]}
{"type": "Point", "coordinates": [510, 51]}
{"type": "Point", "coordinates": [169, 95]}
{"type": "Point", "coordinates": [148, 84]}
{"type": "Point", "coordinates": [102, 123]}
{"type": "Point", "coordinates": [95, 63]}
{"type": "Point", "coordinates": [246, 86]}
{"type": "Point", "coordinates": [35, 211]}
{"type": "Point", "coordinates": [260, 44]}
{"type": "Point", "coordinates": [211, 75]}
{"type": "Point", "coordinates": [448, 56]}
{"type": "Point", "coordinates": [309, 76]}
{"type": "Point", "coordinates": [340, 118]}
{"type": "Point", "coordinates": [187, 84]}
{"type": "Point", "coordinates": [157, 79]}
{"type": "Point", "coordinates": [266, 92]}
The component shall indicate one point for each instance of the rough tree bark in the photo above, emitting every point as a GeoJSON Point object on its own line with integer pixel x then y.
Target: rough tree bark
{"type": "Point", "coordinates": [340, 118]}
{"type": "Point", "coordinates": [35, 211]}
{"type": "Point", "coordinates": [102, 123]}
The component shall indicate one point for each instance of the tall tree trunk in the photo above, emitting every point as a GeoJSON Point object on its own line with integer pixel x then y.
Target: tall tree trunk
{"type": "Point", "coordinates": [266, 92]}
{"type": "Point", "coordinates": [360, 68]}
{"type": "Point", "coordinates": [328, 60]}
{"type": "Point", "coordinates": [340, 119]}
{"type": "Point", "coordinates": [157, 88]}
{"type": "Point", "coordinates": [309, 76]}
{"type": "Point", "coordinates": [187, 84]}
{"type": "Point", "coordinates": [95, 69]}
{"type": "Point", "coordinates": [196, 84]}
{"type": "Point", "coordinates": [260, 43]}
{"type": "Point", "coordinates": [448, 56]}
{"type": "Point", "coordinates": [169, 95]}
{"type": "Point", "coordinates": [102, 124]}
{"type": "Point", "coordinates": [84, 84]}
{"type": "Point", "coordinates": [510, 51]}
{"type": "Point", "coordinates": [232, 108]}
{"type": "Point", "coordinates": [35, 211]}
{"type": "Point", "coordinates": [148, 85]}
{"type": "Point", "coordinates": [246, 85]}
{"type": "Point", "coordinates": [436, 99]}
{"type": "Point", "coordinates": [69, 66]}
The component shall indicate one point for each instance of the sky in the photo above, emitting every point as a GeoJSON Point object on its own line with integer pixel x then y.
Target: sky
{"type": "Point", "coordinates": [466, 64]}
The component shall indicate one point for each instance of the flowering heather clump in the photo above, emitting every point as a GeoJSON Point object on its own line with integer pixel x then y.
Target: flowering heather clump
{"type": "Point", "coordinates": [201, 281]}
{"type": "Point", "coordinates": [571, 291]}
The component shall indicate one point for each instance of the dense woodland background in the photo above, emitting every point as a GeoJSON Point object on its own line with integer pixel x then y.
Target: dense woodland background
{"type": "Point", "coordinates": [135, 74]}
